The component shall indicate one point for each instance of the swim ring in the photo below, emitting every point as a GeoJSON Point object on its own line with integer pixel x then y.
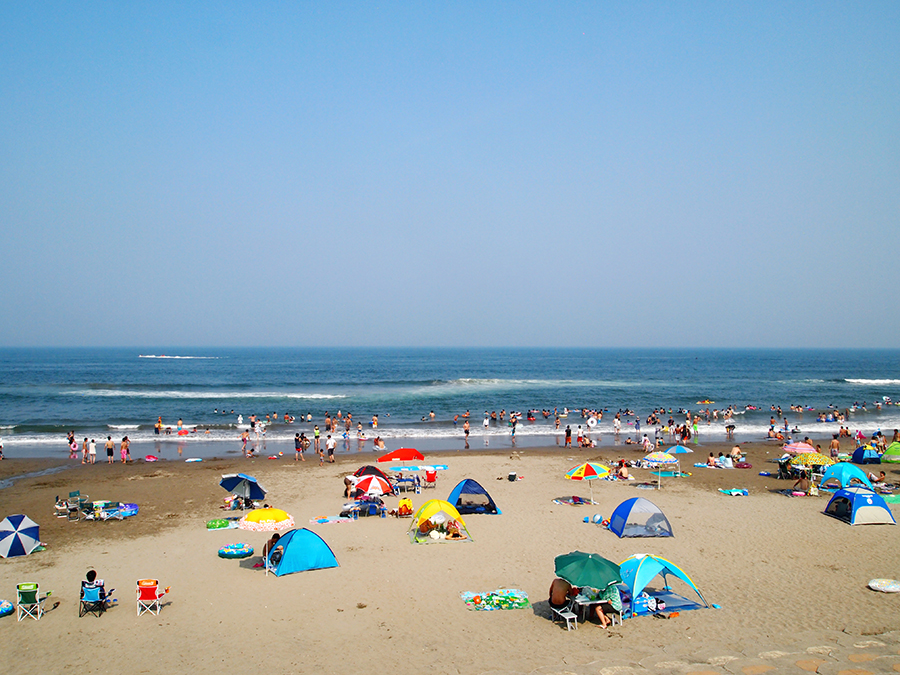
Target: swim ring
{"type": "Point", "coordinates": [6, 608]}
{"type": "Point", "coordinates": [885, 585]}
{"type": "Point", "coordinates": [128, 510]}
{"type": "Point", "coordinates": [236, 551]}
{"type": "Point", "coordinates": [217, 524]}
{"type": "Point", "coordinates": [592, 422]}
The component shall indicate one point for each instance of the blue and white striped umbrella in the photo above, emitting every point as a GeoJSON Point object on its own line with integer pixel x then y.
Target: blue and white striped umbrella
{"type": "Point", "coordinates": [18, 536]}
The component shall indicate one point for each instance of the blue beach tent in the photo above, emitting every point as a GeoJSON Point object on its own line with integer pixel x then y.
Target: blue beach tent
{"type": "Point", "coordinates": [299, 551]}
{"type": "Point", "coordinates": [859, 506]}
{"type": "Point", "coordinates": [639, 570]}
{"type": "Point", "coordinates": [845, 473]}
{"type": "Point", "coordinates": [469, 497]}
{"type": "Point", "coordinates": [865, 454]}
{"type": "Point", "coordinates": [639, 517]}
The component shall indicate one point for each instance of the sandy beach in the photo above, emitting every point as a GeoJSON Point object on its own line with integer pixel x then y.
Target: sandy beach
{"type": "Point", "coordinates": [791, 582]}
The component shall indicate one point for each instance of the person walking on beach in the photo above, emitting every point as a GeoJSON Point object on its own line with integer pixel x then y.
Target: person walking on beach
{"type": "Point", "coordinates": [298, 448]}
{"type": "Point", "coordinates": [466, 432]}
{"type": "Point", "coordinates": [330, 445]}
{"type": "Point", "coordinates": [568, 437]}
{"type": "Point", "coordinates": [92, 452]}
{"type": "Point", "coordinates": [110, 449]}
{"type": "Point", "coordinates": [126, 450]}
{"type": "Point", "coordinates": [84, 451]}
{"type": "Point", "coordinates": [316, 446]}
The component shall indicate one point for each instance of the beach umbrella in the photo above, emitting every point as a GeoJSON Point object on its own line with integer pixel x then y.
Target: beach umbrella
{"type": "Point", "coordinates": [374, 485]}
{"type": "Point", "coordinates": [798, 448]}
{"type": "Point", "coordinates": [660, 458]}
{"type": "Point", "coordinates": [678, 450]}
{"type": "Point", "coordinates": [588, 471]}
{"type": "Point", "coordinates": [812, 459]}
{"type": "Point", "coordinates": [243, 485]}
{"type": "Point", "coordinates": [266, 520]}
{"type": "Point", "coordinates": [587, 569]}
{"type": "Point", "coordinates": [18, 536]}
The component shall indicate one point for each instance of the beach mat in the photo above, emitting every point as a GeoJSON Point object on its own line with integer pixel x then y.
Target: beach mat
{"type": "Point", "coordinates": [734, 492]}
{"type": "Point", "coordinates": [328, 520]}
{"type": "Point", "coordinates": [574, 500]}
{"type": "Point", "coordinates": [502, 598]}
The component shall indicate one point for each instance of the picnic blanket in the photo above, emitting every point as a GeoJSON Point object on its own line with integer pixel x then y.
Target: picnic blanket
{"type": "Point", "coordinates": [327, 520]}
{"type": "Point", "coordinates": [574, 500]}
{"type": "Point", "coordinates": [734, 492]}
{"type": "Point", "coordinates": [502, 598]}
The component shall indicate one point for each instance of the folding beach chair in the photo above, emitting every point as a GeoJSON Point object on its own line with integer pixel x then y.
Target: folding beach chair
{"type": "Point", "coordinates": [28, 601]}
{"type": "Point", "coordinates": [148, 596]}
{"type": "Point", "coordinates": [430, 479]}
{"type": "Point", "coordinates": [91, 601]}
{"type": "Point", "coordinates": [565, 614]}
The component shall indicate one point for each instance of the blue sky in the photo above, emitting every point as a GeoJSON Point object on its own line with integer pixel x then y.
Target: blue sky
{"type": "Point", "coordinates": [540, 174]}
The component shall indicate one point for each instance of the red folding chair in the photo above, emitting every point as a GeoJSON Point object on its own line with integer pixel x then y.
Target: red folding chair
{"type": "Point", "coordinates": [148, 596]}
{"type": "Point", "coordinates": [430, 479]}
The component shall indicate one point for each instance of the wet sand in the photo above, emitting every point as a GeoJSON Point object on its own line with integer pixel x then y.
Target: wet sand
{"type": "Point", "coordinates": [791, 581]}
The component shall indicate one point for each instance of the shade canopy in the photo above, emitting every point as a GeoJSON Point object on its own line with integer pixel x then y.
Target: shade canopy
{"type": "Point", "coordinates": [19, 535]}
{"type": "Point", "coordinates": [587, 569]}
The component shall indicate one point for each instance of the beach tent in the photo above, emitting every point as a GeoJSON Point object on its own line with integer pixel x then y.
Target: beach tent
{"type": "Point", "coordinates": [892, 454]}
{"type": "Point", "coordinates": [370, 470]}
{"type": "Point", "coordinates": [639, 570]}
{"type": "Point", "coordinates": [437, 516]}
{"type": "Point", "coordinates": [859, 506]}
{"type": "Point", "coordinates": [402, 455]}
{"type": "Point", "coordinates": [845, 473]}
{"type": "Point", "coordinates": [469, 497]}
{"type": "Point", "coordinates": [865, 454]}
{"type": "Point", "coordinates": [299, 551]}
{"type": "Point", "coordinates": [639, 517]}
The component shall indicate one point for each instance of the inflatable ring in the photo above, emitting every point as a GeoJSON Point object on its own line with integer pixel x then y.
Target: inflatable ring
{"type": "Point", "coordinates": [592, 422]}
{"type": "Point", "coordinates": [6, 608]}
{"type": "Point", "coordinates": [885, 585]}
{"type": "Point", "coordinates": [217, 524]}
{"type": "Point", "coordinates": [236, 551]}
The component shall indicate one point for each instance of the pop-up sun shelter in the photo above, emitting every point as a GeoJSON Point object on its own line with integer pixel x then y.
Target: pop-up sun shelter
{"type": "Point", "coordinates": [469, 497]}
{"type": "Point", "coordinates": [845, 474]}
{"type": "Point", "coordinates": [892, 454]}
{"type": "Point", "coordinates": [639, 570]}
{"type": "Point", "coordinates": [299, 551]}
{"type": "Point", "coordinates": [437, 520]}
{"type": "Point", "coordinates": [859, 506]}
{"type": "Point", "coordinates": [370, 470]}
{"type": "Point", "coordinates": [639, 517]}
{"type": "Point", "coordinates": [865, 454]}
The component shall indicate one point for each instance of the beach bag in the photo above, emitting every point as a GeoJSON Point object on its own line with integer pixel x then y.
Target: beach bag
{"type": "Point", "coordinates": [813, 490]}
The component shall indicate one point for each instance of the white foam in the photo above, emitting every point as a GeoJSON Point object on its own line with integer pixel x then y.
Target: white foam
{"type": "Point", "coordinates": [163, 356]}
{"type": "Point", "coordinates": [173, 394]}
{"type": "Point", "coordinates": [878, 383]}
{"type": "Point", "coordinates": [123, 426]}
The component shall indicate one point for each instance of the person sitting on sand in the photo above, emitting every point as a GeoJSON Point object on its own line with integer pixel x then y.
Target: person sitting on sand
{"type": "Point", "coordinates": [711, 461]}
{"type": "Point", "coordinates": [269, 545]}
{"type": "Point", "coordinates": [628, 441]}
{"type": "Point", "coordinates": [736, 453]}
{"type": "Point", "coordinates": [560, 592]}
{"type": "Point", "coordinates": [802, 483]}
{"type": "Point", "coordinates": [622, 470]}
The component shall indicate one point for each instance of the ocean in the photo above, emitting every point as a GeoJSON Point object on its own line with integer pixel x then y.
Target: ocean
{"type": "Point", "coordinates": [45, 393]}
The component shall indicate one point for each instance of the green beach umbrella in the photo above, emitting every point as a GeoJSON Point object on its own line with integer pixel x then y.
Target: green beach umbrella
{"type": "Point", "coordinates": [587, 569]}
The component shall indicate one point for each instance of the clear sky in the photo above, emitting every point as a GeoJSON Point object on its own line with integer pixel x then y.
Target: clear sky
{"type": "Point", "coordinates": [450, 173]}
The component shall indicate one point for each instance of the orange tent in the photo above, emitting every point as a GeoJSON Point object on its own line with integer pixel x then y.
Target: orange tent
{"type": "Point", "coordinates": [402, 455]}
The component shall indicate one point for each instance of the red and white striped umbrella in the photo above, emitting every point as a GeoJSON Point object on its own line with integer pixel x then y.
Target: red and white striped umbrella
{"type": "Point", "coordinates": [374, 485]}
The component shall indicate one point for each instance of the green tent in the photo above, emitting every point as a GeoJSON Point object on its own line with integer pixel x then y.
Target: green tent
{"type": "Point", "coordinates": [892, 454]}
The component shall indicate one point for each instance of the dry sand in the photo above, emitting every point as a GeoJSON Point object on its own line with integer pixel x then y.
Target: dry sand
{"type": "Point", "coordinates": [791, 582]}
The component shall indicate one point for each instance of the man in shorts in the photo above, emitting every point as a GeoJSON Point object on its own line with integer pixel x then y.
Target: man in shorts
{"type": "Point", "coordinates": [330, 445]}
{"type": "Point", "coordinates": [298, 448]}
{"type": "Point", "coordinates": [92, 451]}
{"type": "Point", "coordinates": [110, 449]}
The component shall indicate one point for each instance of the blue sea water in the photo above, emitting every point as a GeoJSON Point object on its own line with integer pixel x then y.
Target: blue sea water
{"type": "Point", "coordinates": [98, 392]}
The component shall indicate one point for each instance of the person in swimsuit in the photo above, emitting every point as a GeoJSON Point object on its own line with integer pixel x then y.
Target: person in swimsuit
{"type": "Point", "coordinates": [560, 592]}
{"type": "Point", "coordinates": [110, 449]}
